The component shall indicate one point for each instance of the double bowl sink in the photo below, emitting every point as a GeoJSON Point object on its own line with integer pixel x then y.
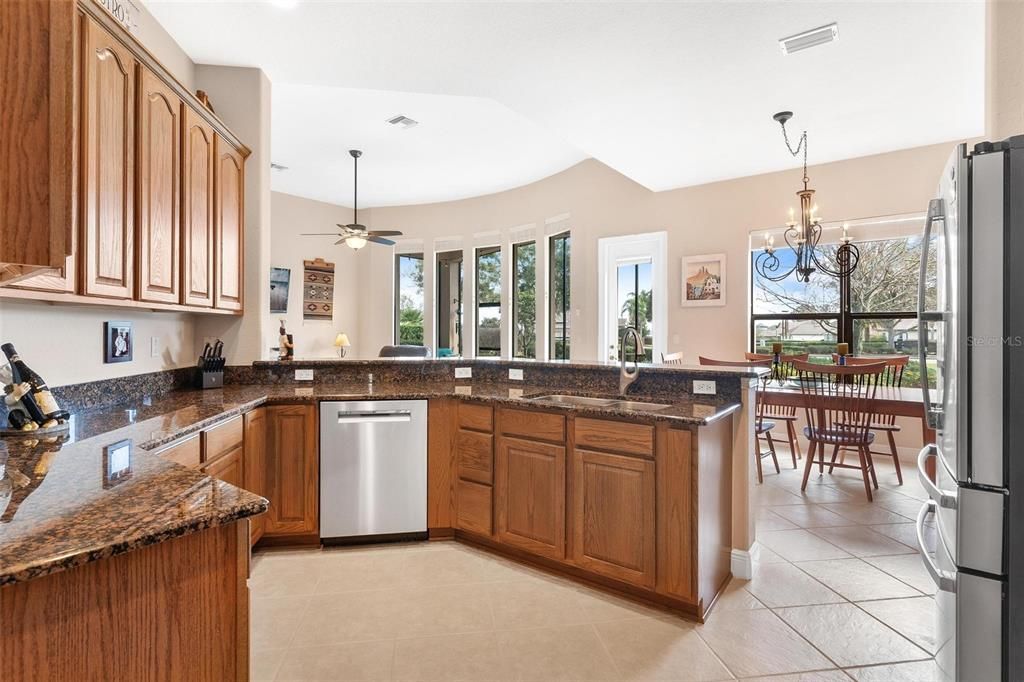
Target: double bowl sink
{"type": "Point", "coordinates": [610, 403]}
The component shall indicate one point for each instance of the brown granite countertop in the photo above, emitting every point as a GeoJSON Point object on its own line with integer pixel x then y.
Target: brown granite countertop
{"type": "Point", "coordinates": [59, 507]}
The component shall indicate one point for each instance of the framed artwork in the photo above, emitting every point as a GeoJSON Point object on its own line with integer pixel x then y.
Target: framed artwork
{"type": "Point", "coordinates": [280, 279]}
{"type": "Point", "coordinates": [118, 341]}
{"type": "Point", "coordinates": [704, 280]}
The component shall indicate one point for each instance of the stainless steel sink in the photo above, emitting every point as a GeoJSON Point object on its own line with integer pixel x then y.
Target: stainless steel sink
{"type": "Point", "coordinates": [574, 400]}
{"type": "Point", "coordinates": [638, 405]}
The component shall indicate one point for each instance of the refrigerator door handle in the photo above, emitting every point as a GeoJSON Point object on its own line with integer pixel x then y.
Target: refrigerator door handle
{"type": "Point", "coordinates": [944, 580]}
{"type": "Point", "coordinates": [936, 212]}
{"type": "Point", "coordinates": [945, 499]}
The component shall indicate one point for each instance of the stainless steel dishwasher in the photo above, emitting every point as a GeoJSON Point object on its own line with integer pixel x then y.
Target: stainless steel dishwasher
{"type": "Point", "coordinates": [373, 470]}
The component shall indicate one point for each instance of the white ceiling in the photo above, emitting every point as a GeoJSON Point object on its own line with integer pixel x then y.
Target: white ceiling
{"type": "Point", "coordinates": [669, 94]}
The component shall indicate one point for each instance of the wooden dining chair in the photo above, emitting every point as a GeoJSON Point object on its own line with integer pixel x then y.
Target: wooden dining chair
{"type": "Point", "coordinates": [763, 425]}
{"type": "Point", "coordinates": [840, 406]}
{"type": "Point", "coordinates": [892, 377]}
{"type": "Point", "coordinates": [672, 358]}
{"type": "Point", "coordinates": [784, 413]}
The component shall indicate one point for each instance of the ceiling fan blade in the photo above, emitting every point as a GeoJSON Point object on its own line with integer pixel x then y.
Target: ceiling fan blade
{"type": "Point", "coordinates": [379, 240]}
{"type": "Point", "coordinates": [341, 241]}
{"type": "Point", "coordinates": [384, 233]}
{"type": "Point", "coordinates": [319, 234]}
{"type": "Point", "coordinates": [352, 226]}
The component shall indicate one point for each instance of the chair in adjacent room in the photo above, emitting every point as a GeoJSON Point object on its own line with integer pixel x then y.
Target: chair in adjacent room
{"type": "Point", "coordinates": [840, 408]}
{"type": "Point", "coordinates": [784, 413]}
{"type": "Point", "coordinates": [672, 358]}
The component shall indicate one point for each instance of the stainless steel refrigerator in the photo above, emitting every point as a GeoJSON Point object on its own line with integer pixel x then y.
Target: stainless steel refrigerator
{"type": "Point", "coordinates": [971, 312]}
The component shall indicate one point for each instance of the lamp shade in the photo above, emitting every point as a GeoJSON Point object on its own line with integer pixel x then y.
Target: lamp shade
{"type": "Point", "coordinates": [341, 340]}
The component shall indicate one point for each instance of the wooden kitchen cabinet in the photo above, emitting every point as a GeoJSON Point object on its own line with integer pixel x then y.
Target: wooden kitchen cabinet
{"type": "Point", "coordinates": [158, 174]}
{"type": "Point", "coordinates": [255, 464]}
{"type": "Point", "coordinates": [613, 508]}
{"type": "Point", "coordinates": [197, 224]}
{"type": "Point", "coordinates": [108, 164]}
{"type": "Point", "coordinates": [229, 209]}
{"type": "Point", "coordinates": [292, 471]}
{"type": "Point", "coordinates": [229, 468]}
{"type": "Point", "coordinates": [529, 488]}
{"type": "Point", "coordinates": [187, 451]}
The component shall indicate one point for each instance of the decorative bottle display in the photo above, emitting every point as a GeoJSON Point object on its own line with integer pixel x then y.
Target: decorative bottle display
{"type": "Point", "coordinates": [30, 403]}
{"type": "Point", "coordinates": [286, 344]}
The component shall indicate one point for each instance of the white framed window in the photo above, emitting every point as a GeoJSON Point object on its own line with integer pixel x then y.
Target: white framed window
{"type": "Point", "coordinates": [632, 292]}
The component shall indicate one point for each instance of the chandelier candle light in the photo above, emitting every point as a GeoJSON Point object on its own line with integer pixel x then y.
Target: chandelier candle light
{"type": "Point", "coordinates": [803, 235]}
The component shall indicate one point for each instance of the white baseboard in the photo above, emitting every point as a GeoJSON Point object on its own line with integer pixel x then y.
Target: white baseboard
{"type": "Point", "coordinates": [740, 564]}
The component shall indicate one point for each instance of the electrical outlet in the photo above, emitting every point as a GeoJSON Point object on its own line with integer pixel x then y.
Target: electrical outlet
{"type": "Point", "coordinates": [303, 375]}
{"type": "Point", "coordinates": [463, 372]}
{"type": "Point", "coordinates": [703, 387]}
{"type": "Point", "coordinates": [515, 374]}
{"type": "Point", "coordinates": [154, 346]}
{"type": "Point", "coordinates": [515, 393]}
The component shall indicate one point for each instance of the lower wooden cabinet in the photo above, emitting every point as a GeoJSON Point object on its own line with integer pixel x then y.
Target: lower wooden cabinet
{"type": "Point", "coordinates": [530, 496]}
{"type": "Point", "coordinates": [292, 469]}
{"type": "Point", "coordinates": [228, 468]}
{"type": "Point", "coordinates": [613, 507]}
{"type": "Point", "coordinates": [255, 465]}
{"type": "Point", "coordinates": [474, 502]}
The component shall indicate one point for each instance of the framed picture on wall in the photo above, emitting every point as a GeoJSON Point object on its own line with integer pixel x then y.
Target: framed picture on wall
{"type": "Point", "coordinates": [704, 280]}
{"type": "Point", "coordinates": [118, 341]}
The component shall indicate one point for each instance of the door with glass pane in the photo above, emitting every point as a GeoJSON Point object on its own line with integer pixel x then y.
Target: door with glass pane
{"type": "Point", "coordinates": [635, 302]}
{"type": "Point", "coordinates": [449, 303]}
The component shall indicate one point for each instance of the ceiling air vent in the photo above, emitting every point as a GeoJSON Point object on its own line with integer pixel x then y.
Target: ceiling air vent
{"type": "Point", "coordinates": [403, 121]}
{"type": "Point", "coordinates": [277, 167]}
{"type": "Point", "coordinates": [812, 38]}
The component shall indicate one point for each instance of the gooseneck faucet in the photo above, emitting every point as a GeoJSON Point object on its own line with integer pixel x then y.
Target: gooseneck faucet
{"type": "Point", "coordinates": [626, 377]}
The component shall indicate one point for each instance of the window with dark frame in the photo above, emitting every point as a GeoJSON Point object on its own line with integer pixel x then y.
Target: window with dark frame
{"type": "Point", "coordinates": [524, 300]}
{"type": "Point", "coordinates": [558, 273]}
{"type": "Point", "coordinates": [409, 299]}
{"type": "Point", "coordinates": [488, 301]}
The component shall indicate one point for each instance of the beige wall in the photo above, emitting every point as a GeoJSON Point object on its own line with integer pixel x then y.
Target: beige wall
{"type": "Point", "coordinates": [159, 42]}
{"type": "Point", "coordinates": [291, 215]}
{"type": "Point", "coordinates": [1004, 69]}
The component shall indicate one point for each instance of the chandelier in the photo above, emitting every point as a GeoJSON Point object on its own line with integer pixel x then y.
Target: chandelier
{"type": "Point", "coordinates": [802, 235]}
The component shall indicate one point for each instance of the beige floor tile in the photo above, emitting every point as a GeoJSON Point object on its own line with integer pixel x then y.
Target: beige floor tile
{"type": "Point", "coordinates": [350, 617]}
{"type": "Point", "coordinates": [766, 519]}
{"type": "Point", "coordinates": [816, 676]}
{"type": "Point", "coordinates": [906, 533]}
{"type": "Point", "coordinates": [736, 597]}
{"type": "Point", "coordinates": [759, 643]}
{"type": "Point", "coordinates": [534, 604]}
{"type": "Point", "coordinates": [600, 607]}
{"type": "Point", "coordinates": [786, 585]}
{"type": "Point", "coordinates": [856, 580]}
{"type": "Point", "coordinates": [759, 554]}
{"type": "Point", "coordinates": [768, 495]}
{"type": "Point", "coordinates": [849, 636]}
{"type": "Point", "coordinates": [911, 486]}
{"type": "Point", "coordinates": [263, 664]}
{"type": "Point", "coordinates": [861, 541]}
{"type": "Point", "coordinates": [274, 621]}
{"type": "Point", "coordinates": [811, 516]}
{"type": "Point", "coordinates": [648, 649]}
{"type": "Point", "coordinates": [358, 661]}
{"type": "Point", "coordinates": [913, 618]}
{"type": "Point", "coordinates": [799, 545]}
{"type": "Point", "coordinates": [562, 653]}
{"type": "Point", "coordinates": [866, 513]}
{"type": "Point", "coordinates": [444, 610]}
{"type": "Point", "coordinates": [902, 505]}
{"type": "Point", "coordinates": [906, 567]}
{"type": "Point", "coordinates": [825, 494]}
{"type": "Point", "coordinates": [448, 658]}
{"type": "Point", "coordinates": [284, 575]}
{"type": "Point", "coordinates": [921, 671]}
{"type": "Point", "coordinates": [338, 572]}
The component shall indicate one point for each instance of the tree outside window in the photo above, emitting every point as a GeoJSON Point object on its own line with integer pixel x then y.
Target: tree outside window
{"type": "Point", "coordinates": [409, 306]}
{"type": "Point", "coordinates": [524, 301]}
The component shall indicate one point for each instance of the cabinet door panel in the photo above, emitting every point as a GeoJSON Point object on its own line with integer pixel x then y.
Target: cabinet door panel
{"type": "Point", "coordinates": [474, 456]}
{"type": "Point", "coordinates": [473, 507]}
{"type": "Point", "coordinates": [197, 207]}
{"type": "Point", "coordinates": [108, 163]}
{"type": "Point", "coordinates": [228, 468]}
{"type": "Point", "coordinates": [159, 178]}
{"type": "Point", "coordinates": [229, 187]}
{"type": "Point", "coordinates": [530, 487]}
{"type": "Point", "coordinates": [255, 464]}
{"type": "Point", "coordinates": [613, 516]}
{"type": "Point", "coordinates": [293, 470]}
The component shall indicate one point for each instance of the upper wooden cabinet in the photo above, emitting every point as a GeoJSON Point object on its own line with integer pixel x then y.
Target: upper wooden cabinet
{"type": "Point", "coordinates": [197, 212]}
{"type": "Point", "coordinates": [229, 209]}
{"type": "Point", "coordinates": [529, 490]}
{"type": "Point", "coordinates": [108, 164]}
{"type": "Point", "coordinates": [37, 143]}
{"type": "Point", "coordinates": [159, 188]}
{"type": "Point", "coordinates": [292, 471]}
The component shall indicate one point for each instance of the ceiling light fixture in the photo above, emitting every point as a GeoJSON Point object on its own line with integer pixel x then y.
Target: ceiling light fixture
{"type": "Point", "coordinates": [809, 39]}
{"type": "Point", "coordinates": [803, 236]}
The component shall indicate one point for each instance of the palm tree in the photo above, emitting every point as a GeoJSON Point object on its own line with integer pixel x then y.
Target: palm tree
{"type": "Point", "coordinates": [641, 317]}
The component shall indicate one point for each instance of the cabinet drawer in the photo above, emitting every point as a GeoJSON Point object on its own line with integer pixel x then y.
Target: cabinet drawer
{"type": "Point", "coordinates": [476, 417]}
{"type": "Point", "coordinates": [602, 434]}
{"type": "Point", "coordinates": [532, 425]}
{"type": "Point", "coordinates": [474, 455]}
{"type": "Point", "coordinates": [220, 439]}
{"type": "Point", "coordinates": [186, 452]}
{"type": "Point", "coordinates": [473, 507]}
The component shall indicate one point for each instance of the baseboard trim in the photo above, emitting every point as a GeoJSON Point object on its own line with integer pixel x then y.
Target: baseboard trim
{"type": "Point", "coordinates": [741, 565]}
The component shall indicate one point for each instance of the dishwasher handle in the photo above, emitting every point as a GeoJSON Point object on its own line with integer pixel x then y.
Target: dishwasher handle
{"type": "Point", "coordinates": [372, 417]}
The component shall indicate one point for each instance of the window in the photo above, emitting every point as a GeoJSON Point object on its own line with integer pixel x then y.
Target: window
{"type": "Point", "coordinates": [558, 271]}
{"type": "Point", "coordinates": [873, 310]}
{"type": "Point", "coordinates": [409, 299]}
{"type": "Point", "coordinates": [632, 292]}
{"type": "Point", "coordinates": [488, 302]}
{"type": "Point", "coordinates": [449, 303]}
{"type": "Point", "coordinates": [636, 307]}
{"type": "Point", "coordinates": [524, 300]}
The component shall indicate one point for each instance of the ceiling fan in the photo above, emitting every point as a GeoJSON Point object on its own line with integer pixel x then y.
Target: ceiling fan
{"type": "Point", "coordinates": [355, 235]}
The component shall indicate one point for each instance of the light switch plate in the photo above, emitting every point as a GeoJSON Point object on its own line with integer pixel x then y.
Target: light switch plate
{"type": "Point", "coordinates": [515, 374]}
{"type": "Point", "coordinates": [303, 375]}
{"type": "Point", "coordinates": [703, 387]}
{"type": "Point", "coordinates": [463, 372]}
{"type": "Point", "coordinates": [154, 346]}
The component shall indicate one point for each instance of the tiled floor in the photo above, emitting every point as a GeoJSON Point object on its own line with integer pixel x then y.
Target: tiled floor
{"type": "Point", "coordinates": [838, 593]}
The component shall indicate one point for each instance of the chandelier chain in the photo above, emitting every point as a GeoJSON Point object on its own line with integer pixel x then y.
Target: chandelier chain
{"type": "Point", "coordinates": [802, 144]}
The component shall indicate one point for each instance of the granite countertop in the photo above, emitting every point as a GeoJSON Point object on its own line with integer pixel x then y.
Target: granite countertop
{"type": "Point", "coordinates": [59, 506]}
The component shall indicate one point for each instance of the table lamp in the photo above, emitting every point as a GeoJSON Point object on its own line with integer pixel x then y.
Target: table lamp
{"type": "Point", "coordinates": [341, 342]}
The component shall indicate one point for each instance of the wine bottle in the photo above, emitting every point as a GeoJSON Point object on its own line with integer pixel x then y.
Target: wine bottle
{"type": "Point", "coordinates": [39, 401]}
